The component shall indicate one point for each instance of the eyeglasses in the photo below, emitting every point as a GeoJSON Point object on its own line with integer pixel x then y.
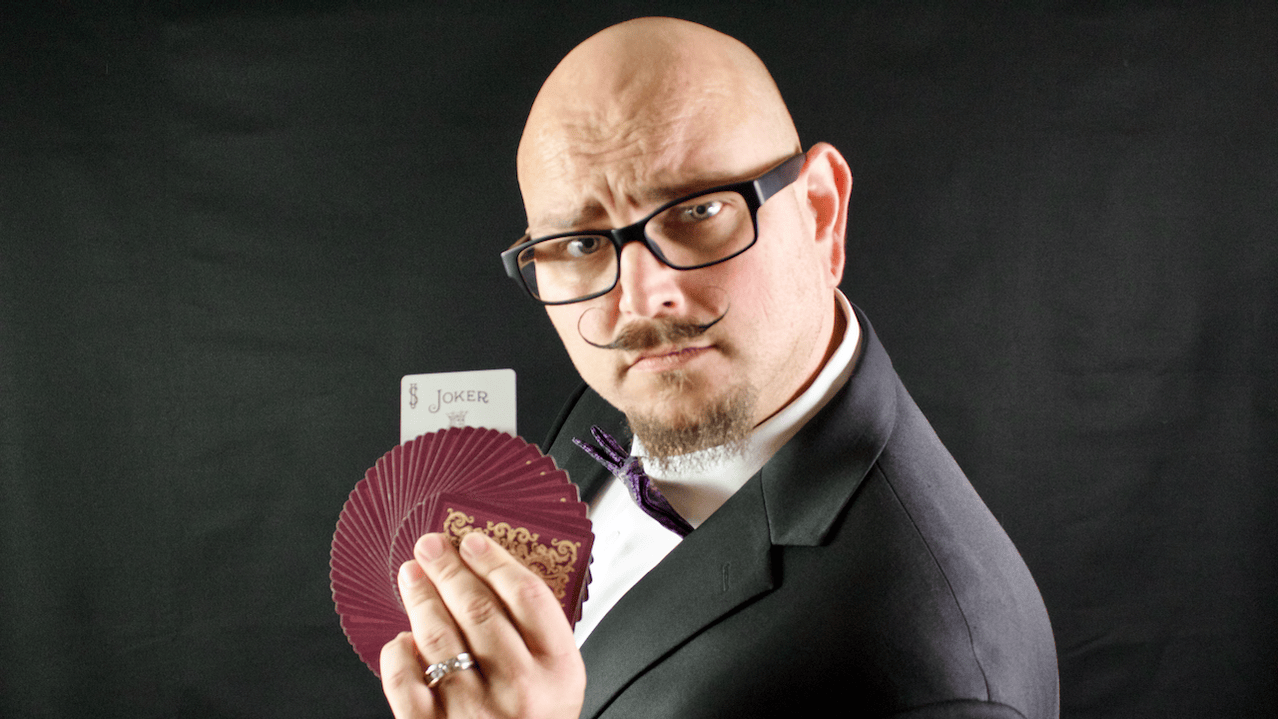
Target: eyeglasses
{"type": "Point", "coordinates": [696, 231]}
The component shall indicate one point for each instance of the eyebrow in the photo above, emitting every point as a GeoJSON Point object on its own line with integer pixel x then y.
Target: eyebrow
{"type": "Point", "coordinates": [583, 217]}
{"type": "Point", "coordinates": [662, 195]}
{"type": "Point", "coordinates": [574, 219]}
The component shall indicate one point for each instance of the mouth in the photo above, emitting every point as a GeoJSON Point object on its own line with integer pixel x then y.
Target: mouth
{"type": "Point", "coordinates": [662, 359]}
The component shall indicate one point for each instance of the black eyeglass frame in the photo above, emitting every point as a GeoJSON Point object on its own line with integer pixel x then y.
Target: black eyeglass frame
{"type": "Point", "coordinates": [755, 192]}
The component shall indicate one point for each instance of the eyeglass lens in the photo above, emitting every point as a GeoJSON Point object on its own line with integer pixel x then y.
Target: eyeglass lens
{"type": "Point", "coordinates": [699, 231]}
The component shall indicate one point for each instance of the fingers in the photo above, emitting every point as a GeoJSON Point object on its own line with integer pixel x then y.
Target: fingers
{"type": "Point", "coordinates": [505, 614]}
{"type": "Point", "coordinates": [484, 602]}
{"type": "Point", "coordinates": [468, 614]}
{"type": "Point", "coordinates": [529, 602]}
{"type": "Point", "coordinates": [438, 638]}
{"type": "Point", "coordinates": [402, 681]}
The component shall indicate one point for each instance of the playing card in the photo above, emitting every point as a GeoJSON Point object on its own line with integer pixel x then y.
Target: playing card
{"type": "Point", "coordinates": [438, 400]}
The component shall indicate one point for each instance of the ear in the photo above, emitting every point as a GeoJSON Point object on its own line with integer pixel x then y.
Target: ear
{"type": "Point", "coordinates": [829, 188]}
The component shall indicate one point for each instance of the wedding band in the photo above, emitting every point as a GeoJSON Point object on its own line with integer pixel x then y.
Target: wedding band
{"type": "Point", "coordinates": [436, 672]}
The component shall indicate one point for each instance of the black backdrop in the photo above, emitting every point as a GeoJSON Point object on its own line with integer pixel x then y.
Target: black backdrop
{"type": "Point", "coordinates": [225, 232]}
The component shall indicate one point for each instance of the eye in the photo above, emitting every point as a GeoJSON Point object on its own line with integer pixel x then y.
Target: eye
{"type": "Point", "coordinates": [583, 246]}
{"type": "Point", "coordinates": [702, 210]}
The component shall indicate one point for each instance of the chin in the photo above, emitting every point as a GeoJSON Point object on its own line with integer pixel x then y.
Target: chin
{"type": "Point", "coordinates": [685, 422]}
{"type": "Point", "coordinates": [676, 397]}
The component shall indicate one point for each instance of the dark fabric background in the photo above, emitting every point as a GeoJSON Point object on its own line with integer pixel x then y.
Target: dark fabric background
{"type": "Point", "coordinates": [226, 232]}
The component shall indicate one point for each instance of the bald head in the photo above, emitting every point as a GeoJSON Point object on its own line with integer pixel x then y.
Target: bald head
{"type": "Point", "coordinates": [649, 99]}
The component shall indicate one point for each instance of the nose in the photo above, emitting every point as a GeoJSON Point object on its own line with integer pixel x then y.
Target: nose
{"type": "Point", "coordinates": [649, 287]}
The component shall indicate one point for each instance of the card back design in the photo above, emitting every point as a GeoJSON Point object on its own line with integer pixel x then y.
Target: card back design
{"type": "Point", "coordinates": [457, 480]}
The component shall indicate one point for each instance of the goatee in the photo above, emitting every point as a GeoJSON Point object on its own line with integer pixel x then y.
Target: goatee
{"type": "Point", "coordinates": [723, 425]}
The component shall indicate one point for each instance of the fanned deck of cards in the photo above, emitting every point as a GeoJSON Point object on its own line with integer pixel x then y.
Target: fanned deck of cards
{"type": "Point", "coordinates": [455, 481]}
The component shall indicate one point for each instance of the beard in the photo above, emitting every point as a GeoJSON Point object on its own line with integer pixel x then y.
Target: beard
{"type": "Point", "coordinates": [722, 425]}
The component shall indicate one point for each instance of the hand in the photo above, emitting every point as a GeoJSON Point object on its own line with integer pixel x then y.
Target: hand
{"type": "Point", "coordinates": [484, 602]}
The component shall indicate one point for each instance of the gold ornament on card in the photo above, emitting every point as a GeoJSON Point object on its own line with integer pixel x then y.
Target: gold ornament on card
{"type": "Point", "coordinates": [553, 561]}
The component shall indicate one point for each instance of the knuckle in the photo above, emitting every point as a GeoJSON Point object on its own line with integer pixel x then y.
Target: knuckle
{"type": "Point", "coordinates": [435, 640]}
{"type": "Point", "coordinates": [481, 609]}
{"type": "Point", "coordinates": [415, 595]}
{"type": "Point", "coordinates": [576, 684]}
{"type": "Point", "coordinates": [448, 569]}
{"type": "Point", "coordinates": [393, 647]}
{"type": "Point", "coordinates": [531, 589]}
{"type": "Point", "coordinates": [397, 664]}
{"type": "Point", "coordinates": [397, 679]}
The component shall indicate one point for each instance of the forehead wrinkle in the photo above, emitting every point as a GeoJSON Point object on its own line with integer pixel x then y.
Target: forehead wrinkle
{"type": "Point", "coordinates": [606, 171]}
{"type": "Point", "coordinates": [631, 122]}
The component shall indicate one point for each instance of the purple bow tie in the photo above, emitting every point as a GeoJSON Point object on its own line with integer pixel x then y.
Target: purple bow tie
{"type": "Point", "coordinates": [630, 470]}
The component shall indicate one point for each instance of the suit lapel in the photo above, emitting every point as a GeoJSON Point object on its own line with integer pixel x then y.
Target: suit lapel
{"type": "Point", "coordinates": [809, 481]}
{"type": "Point", "coordinates": [725, 562]}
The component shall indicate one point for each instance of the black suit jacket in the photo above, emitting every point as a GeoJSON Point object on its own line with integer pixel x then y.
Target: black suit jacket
{"type": "Point", "coordinates": [858, 570]}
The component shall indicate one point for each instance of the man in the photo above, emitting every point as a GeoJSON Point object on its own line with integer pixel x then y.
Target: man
{"type": "Point", "coordinates": [817, 549]}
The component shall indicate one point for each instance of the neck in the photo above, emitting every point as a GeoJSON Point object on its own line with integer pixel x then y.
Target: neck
{"type": "Point", "coordinates": [833, 330]}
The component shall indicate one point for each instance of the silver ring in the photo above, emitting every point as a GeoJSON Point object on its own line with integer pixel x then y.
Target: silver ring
{"type": "Point", "coordinates": [436, 672]}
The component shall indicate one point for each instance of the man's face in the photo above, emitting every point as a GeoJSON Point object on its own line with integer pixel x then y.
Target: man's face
{"type": "Point", "coordinates": [777, 294]}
